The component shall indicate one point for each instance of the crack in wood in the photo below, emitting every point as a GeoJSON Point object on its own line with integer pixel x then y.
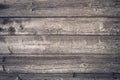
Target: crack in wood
{"type": "Point", "coordinates": [32, 9]}
{"type": "Point", "coordinates": [74, 75]}
{"type": "Point", "coordinates": [4, 59]}
{"type": "Point", "coordinates": [4, 69]}
{"type": "Point", "coordinates": [3, 66]}
{"type": "Point", "coordinates": [11, 52]}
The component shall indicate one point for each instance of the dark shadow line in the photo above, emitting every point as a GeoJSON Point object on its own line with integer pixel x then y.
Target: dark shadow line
{"type": "Point", "coordinates": [71, 74]}
{"type": "Point", "coordinates": [60, 35]}
{"type": "Point", "coordinates": [52, 54]}
{"type": "Point", "coordinates": [60, 16]}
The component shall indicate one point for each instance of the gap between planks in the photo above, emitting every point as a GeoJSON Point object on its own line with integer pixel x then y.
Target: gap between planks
{"type": "Point", "coordinates": [109, 17]}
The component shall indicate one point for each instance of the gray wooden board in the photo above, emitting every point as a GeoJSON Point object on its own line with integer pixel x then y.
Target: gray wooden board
{"type": "Point", "coordinates": [69, 26]}
{"type": "Point", "coordinates": [59, 8]}
{"type": "Point", "coordinates": [6, 76]}
{"type": "Point", "coordinates": [82, 76]}
{"type": "Point", "coordinates": [23, 59]}
{"type": "Point", "coordinates": [60, 36]}
{"type": "Point", "coordinates": [62, 64]}
{"type": "Point", "coordinates": [59, 44]}
{"type": "Point", "coordinates": [56, 76]}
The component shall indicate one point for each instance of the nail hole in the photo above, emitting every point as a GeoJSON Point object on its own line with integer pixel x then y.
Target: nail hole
{"type": "Point", "coordinates": [21, 27]}
{"type": "Point", "coordinates": [1, 29]}
{"type": "Point", "coordinates": [11, 30]}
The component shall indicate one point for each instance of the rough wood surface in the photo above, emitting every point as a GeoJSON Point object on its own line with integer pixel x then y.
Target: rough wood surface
{"type": "Point", "coordinates": [80, 38]}
{"type": "Point", "coordinates": [69, 26]}
{"type": "Point", "coordinates": [62, 64]}
{"type": "Point", "coordinates": [32, 8]}
{"type": "Point", "coordinates": [78, 76]}
{"type": "Point", "coordinates": [59, 44]}
{"type": "Point", "coordinates": [6, 76]}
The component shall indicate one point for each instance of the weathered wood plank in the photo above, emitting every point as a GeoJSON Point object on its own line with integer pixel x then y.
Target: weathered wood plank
{"type": "Point", "coordinates": [59, 8]}
{"type": "Point", "coordinates": [59, 44]}
{"type": "Point", "coordinates": [23, 59]}
{"type": "Point", "coordinates": [74, 26]}
{"type": "Point", "coordinates": [64, 68]}
{"type": "Point", "coordinates": [56, 76]}
{"type": "Point", "coordinates": [78, 76]}
{"type": "Point", "coordinates": [7, 77]}
{"type": "Point", "coordinates": [62, 64]}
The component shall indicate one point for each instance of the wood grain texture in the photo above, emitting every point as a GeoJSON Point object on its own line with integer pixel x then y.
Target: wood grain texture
{"type": "Point", "coordinates": [60, 44]}
{"type": "Point", "coordinates": [7, 76]}
{"type": "Point", "coordinates": [62, 64]}
{"type": "Point", "coordinates": [79, 76]}
{"type": "Point", "coordinates": [67, 26]}
{"type": "Point", "coordinates": [67, 39]}
{"type": "Point", "coordinates": [32, 8]}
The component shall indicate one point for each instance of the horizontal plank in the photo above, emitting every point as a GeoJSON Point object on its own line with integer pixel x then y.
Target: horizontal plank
{"type": "Point", "coordinates": [64, 68]}
{"type": "Point", "coordinates": [62, 64]}
{"type": "Point", "coordinates": [59, 8]}
{"type": "Point", "coordinates": [59, 44]}
{"type": "Point", "coordinates": [79, 76]}
{"type": "Point", "coordinates": [23, 59]}
{"type": "Point", "coordinates": [70, 26]}
{"type": "Point", "coordinates": [6, 76]}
